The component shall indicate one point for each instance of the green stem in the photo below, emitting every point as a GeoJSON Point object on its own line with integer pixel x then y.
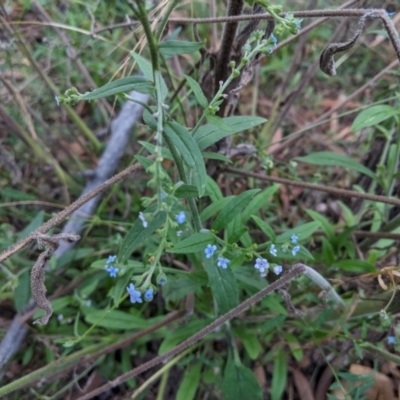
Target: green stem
{"type": "Point", "coordinates": [383, 353]}
{"type": "Point", "coordinates": [165, 18]}
{"type": "Point", "coordinates": [141, 15]}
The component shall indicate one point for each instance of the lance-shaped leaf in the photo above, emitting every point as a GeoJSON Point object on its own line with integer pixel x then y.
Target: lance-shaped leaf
{"type": "Point", "coordinates": [174, 47]}
{"type": "Point", "coordinates": [189, 151]}
{"type": "Point", "coordinates": [139, 234]}
{"type": "Point", "coordinates": [123, 85]}
{"type": "Point", "coordinates": [232, 209]}
{"type": "Point", "coordinates": [194, 243]}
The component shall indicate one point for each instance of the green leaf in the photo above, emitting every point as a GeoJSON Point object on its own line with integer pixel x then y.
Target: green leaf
{"type": "Point", "coordinates": [214, 207]}
{"type": "Point", "coordinates": [250, 342]}
{"type": "Point", "coordinates": [223, 285]}
{"type": "Point", "coordinates": [144, 162]}
{"type": "Point", "coordinates": [147, 70]}
{"type": "Point", "coordinates": [294, 345]}
{"type": "Point", "coordinates": [373, 116]}
{"type": "Point", "coordinates": [165, 153]}
{"type": "Point", "coordinates": [218, 122]}
{"type": "Point", "coordinates": [22, 293]}
{"type": "Point", "coordinates": [189, 150]}
{"type": "Point", "coordinates": [266, 228]}
{"type": "Point", "coordinates": [114, 319]}
{"type": "Point", "coordinates": [139, 234]}
{"type": "Point", "coordinates": [174, 47]}
{"type": "Point", "coordinates": [194, 243]}
{"type": "Point", "coordinates": [201, 99]}
{"type": "Point", "coordinates": [208, 134]}
{"type": "Point", "coordinates": [258, 201]}
{"type": "Point", "coordinates": [328, 158]}
{"type": "Point", "coordinates": [216, 156]}
{"type": "Point", "coordinates": [355, 266]}
{"type": "Point", "coordinates": [186, 191]}
{"type": "Point", "coordinates": [213, 190]}
{"type": "Point", "coordinates": [303, 231]}
{"type": "Point", "coordinates": [123, 85]}
{"type": "Point", "coordinates": [239, 383]}
{"type": "Point", "coordinates": [279, 376]}
{"type": "Point", "coordinates": [33, 225]}
{"type": "Point", "coordinates": [190, 382]}
{"type": "Point", "coordinates": [325, 224]}
{"type": "Point", "coordinates": [232, 209]}
{"type": "Point", "coordinates": [235, 236]}
{"type": "Point", "coordinates": [181, 333]}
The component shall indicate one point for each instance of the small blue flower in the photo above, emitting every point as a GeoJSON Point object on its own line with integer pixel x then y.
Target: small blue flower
{"type": "Point", "coordinates": [113, 271]}
{"type": "Point", "coordinates": [209, 250]}
{"type": "Point", "coordinates": [263, 274]}
{"type": "Point", "coordinates": [181, 217]}
{"type": "Point", "coordinates": [273, 39]}
{"type": "Point", "coordinates": [223, 262]}
{"type": "Point", "coordinates": [144, 222]}
{"type": "Point", "coordinates": [391, 340]}
{"type": "Point", "coordinates": [294, 238]}
{"type": "Point", "coordinates": [163, 196]}
{"type": "Point", "coordinates": [295, 250]}
{"type": "Point", "coordinates": [111, 259]}
{"type": "Point", "coordinates": [261, 264]}
{"type": "Point", "coordinates": [149, 294]}
{"type": "Point", "coordinates": [134, 294]}
{"type": "Point", "coordinates": [389, 13]}
{"type": "Point", "coordinates": [273, 250]}
{"type": "Point", "coordinates": [162, 281]}
{"type": "Point", "coordinates": [277, 269]}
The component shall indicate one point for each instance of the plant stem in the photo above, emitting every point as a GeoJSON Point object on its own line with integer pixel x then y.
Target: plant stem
{"type": "Point", "coordinates": [164, 20]}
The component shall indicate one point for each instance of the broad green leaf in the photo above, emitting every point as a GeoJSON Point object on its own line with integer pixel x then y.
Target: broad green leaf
{"type": "Point", "coordinates": [239, 383]}
{"type": "Point", "coordinates": [201, 99]}
{"type": "Point", "coordinates": [328, 158]}
{"type": "Point", "coordinates": [189, 150]}
{"type": "Point", "coordinates": [123, 85]}
{"type": "Point", "coordinates": [302, 231]}
{"type": "Point", "coordinates": [186, 191]}
{"type": "Point", "coordinates": [266, 228]}
{"type": "Point", "coordinates": [177, 289]}
{"type": "Point", "coordinates": [294, 345]}
{"type": "Point", "coordinates": [218, 122]}
{"type": "Point", "coordinates": [250, 342]}
{"type": "Point", "coordinates": [190, 382]}
{"type": "Point", "coordinates": [213, 190]}
{"type": "Point", "coordinates": [325, 224]}
{"type": "Point", "coordinates": [165, 153]}
{"type": "Point", "coordinates": [373, 116]}
{"type": "Point", "coordinates": [208, 134]}
{"type": "Point", "coordinates": [279, 376]}
{"type": "Point", "coordinates": [114, 319]}
{"type": "Point", "coordinates": [10, 193]}
{"type": "Point", "coordinates": [214, 207]}
{"type": "Point", "coordinates": [194, 243]}
{"type": "Point", "coordinates": [147, 70]}
{"type": "Point", "coordinates": [216, 156]}
{"type": "Point", "coordinates": [237, 234]}
{"type": "Point", "coordinates": [258, 201]}
{"type": "Point", "coordinates": [174, 47]}
{"type": "Point", "coordinates": [232, 209]}
{"type": "Point", "coordinates": [223, 285]}
{"type": "Point", "coordinates": [178, 335]}
{"type": "Point", "coordinates": [139, 234]}
{"type": "Point", "coordinates": [355, 266]}
{"type": "Point", "coordinates": [34, 224]}
{"type": "Point", "coordinates": [22, 293]}
{"type": "Point", "coordinates": [120, 288]}
{"type": "Point", "coordinates": [144, 162]}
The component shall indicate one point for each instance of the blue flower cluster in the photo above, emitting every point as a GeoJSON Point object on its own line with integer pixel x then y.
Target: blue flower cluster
{"type": "Point", "coordinates": [261, 263]}
{"type": "Point", "coordinates": [391, 340]}
{"type": "Point", "coordinates": [111, 269]}
{"type": "Point", "coordinates": [135, 295]}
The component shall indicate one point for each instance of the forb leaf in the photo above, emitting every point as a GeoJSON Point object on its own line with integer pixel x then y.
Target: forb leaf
{"type": "Point", "coordinates": [373, 116]}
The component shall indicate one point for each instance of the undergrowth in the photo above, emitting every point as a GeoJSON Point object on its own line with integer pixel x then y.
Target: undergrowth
{"type": "Point", "coordinates": [247, 247]}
